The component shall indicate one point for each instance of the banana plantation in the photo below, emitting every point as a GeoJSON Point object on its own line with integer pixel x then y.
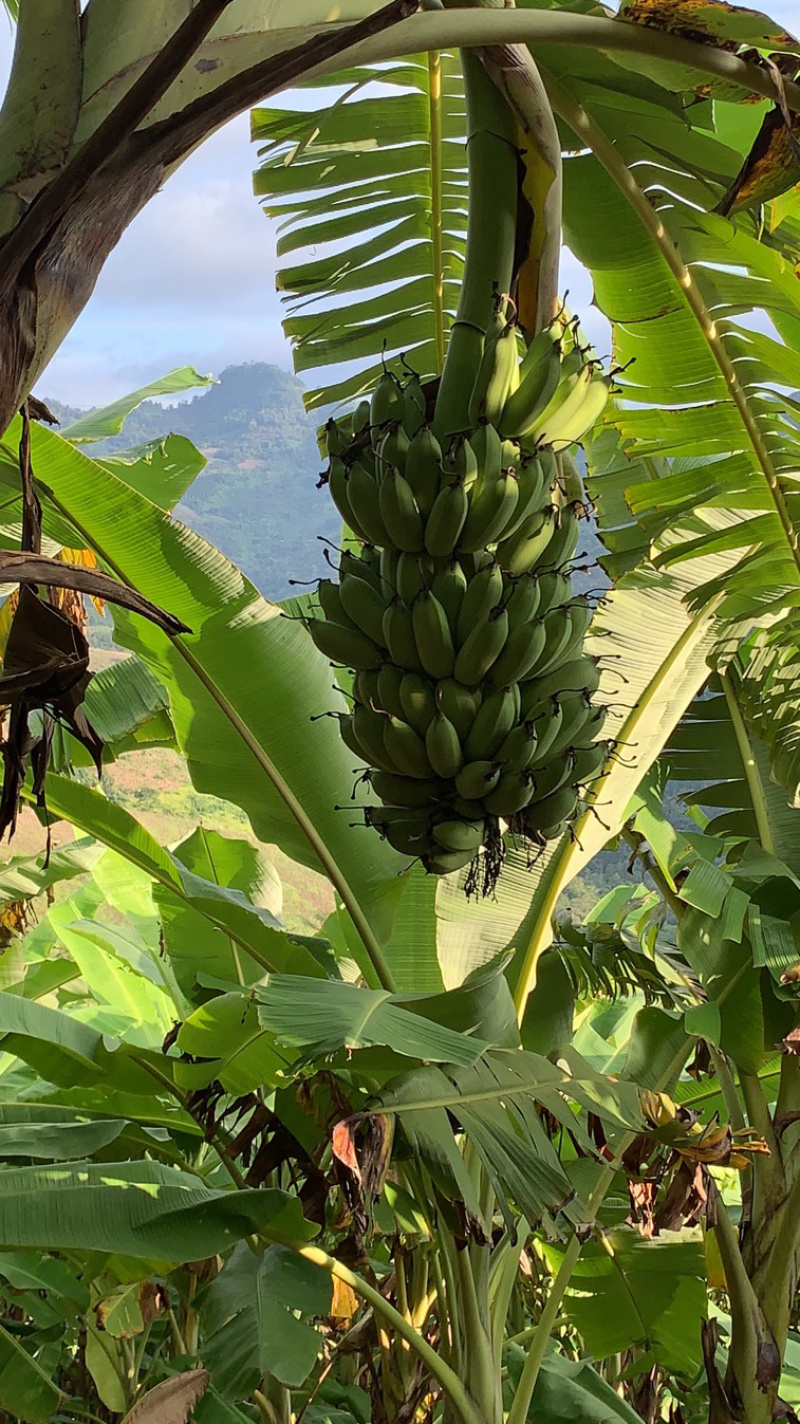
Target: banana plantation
{"type": "Point", "coordinates": [462, 1155]}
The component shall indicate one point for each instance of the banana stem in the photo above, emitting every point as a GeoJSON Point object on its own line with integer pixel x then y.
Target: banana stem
{"type": "Point", "coordinates": [491, 235]}
{"type": "Point", "coordinates": [512, 69]}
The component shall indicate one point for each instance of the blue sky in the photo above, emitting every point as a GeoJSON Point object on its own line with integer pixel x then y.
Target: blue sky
{"type": "Point", "coordinates": [192, 281]}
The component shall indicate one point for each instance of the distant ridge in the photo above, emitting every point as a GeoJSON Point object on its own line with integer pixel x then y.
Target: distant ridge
{"type": "Point", "coordinates": [256, 498]}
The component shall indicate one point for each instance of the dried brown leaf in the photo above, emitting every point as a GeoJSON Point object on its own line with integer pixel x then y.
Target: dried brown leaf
{"type": "Point", "coordinates": [172, 1401]}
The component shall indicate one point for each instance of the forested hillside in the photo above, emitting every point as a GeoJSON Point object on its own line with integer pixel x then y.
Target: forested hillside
{"type": "Point", "coordinates": [256, 499]}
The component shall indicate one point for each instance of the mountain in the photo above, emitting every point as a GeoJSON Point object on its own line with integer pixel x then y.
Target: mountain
{"type": "Point", "coordinates": [256, 499]}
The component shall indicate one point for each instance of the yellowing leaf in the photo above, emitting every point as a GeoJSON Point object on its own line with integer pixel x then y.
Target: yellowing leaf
{"type": "Point", "coordinates": [344, 1303]}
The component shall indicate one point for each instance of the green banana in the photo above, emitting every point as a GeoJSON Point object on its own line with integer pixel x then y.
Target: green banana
{"type": "Point", "coordinates": [387, 401]}
{"type": "Point", "coordinates": [338, 481]}
{"type": "Point", "coordinates": [521, 652]}
{"type": "Point", "coordinates": [365, 687]}
{"type": "Point", "coordinates": [391, 449]}
{"type": "Point", "coordinates": [574, 726]}
{"type": "Point", "coordinates": [477, 779]}
{"type": "Point", "coordinates": [491, 510]}
{"type": "Point", "coordinates": [493, 722]}
{"type": "Point", "coordinates": [487, 448]}
{"type": "Point", "coordinates": [580, 675]}
{"type": "Point", "coordinates": [522, 603]}
{"type": "Point", "coordinates": [398, 635]}
{"type": "Point", "coordinates": [403, 838]}
{"type": "Point", "coordinates": [390, 680]}
{"type": "Point", "coordinates": [362, 567]}
{"type": "Point", "coordinates": [344, 645]}
{"type": "Point", "coordinates": [348, 736]}
{"type": "Point", "coordinates": [361, 417]}
{"type": "Point", "coordinates": [531, 485]}
{"type": "Point", "coordinates": [551, 777]}
{"type": "Point", "coordinates": [413, 574]}
{"type": "Point", "coordinates": [450, 586]}
{"type": "Point", "coordinates": [362, 492]}
{"type": "Point", "coordinates": [529, 546]}
{"type": "Point", "coordinates": [417, 703]}
{"type": "Point", "coordinates": [364, 606]}
{"type": "Point", "coordinates": [447, 862]}
{"type": "Point", "coordinates": [423, 468]}
{"type": "Point", "coordinates": [446, 520]}
{"type": "Point", "coordinates": [588, 762]}
{"type": "Point", "coordinates": [414, 405]}
{"type": "Point", "coordinates": [572, 364]}
{"type": "Point", "coordinates": [396, 790]}
{"type": "Point", "coordinates": [564, 542]}
{"type": "Point", "coordinates": [512, 794]}
{"type": "Point", "coordinates": [330, 602]}
{"type": "Point", "coordinates": [433, 637]}
{"type": "Point", "coordinates": [557, 633]}
{"type": "Point", "coordinates": [368, 731]}
{"type": "Point", "coordinates": [443, 747]}
{"type": "Point", "coordinates": [539, 377]}
{"type": "Point", "coordinates": [460, 462]}
{"type": "Point", "coordinates": [458, 703]}
{"type": "Point", "coordinates": [550, 726]}
{"type": "Point", "coordinates": [399, 513]}
{"type": "Point", "coordinates": [554, 589]}
{"type": "Point", "coordinates": [544, 818]}
{"type": "Point", "coordinates": [497, 372]}
{"type": "Point", "coordinates": [388, 566]}
{"type": "Point", "coordinates": [518, 750]}
{"type": "Point", "coordinates": [459, 835]}
{"type": "Point", "coordinates": [405, 748]}
{"type": "Point", "coordinates": [579, 413]}
{"type": "Point", "coordinates": [482, 648]}
{"type": "Point", "coordinates": [484, 592]}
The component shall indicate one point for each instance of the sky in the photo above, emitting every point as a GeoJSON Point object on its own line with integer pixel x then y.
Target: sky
{"type": "Point", "coordinates": [192, 281]}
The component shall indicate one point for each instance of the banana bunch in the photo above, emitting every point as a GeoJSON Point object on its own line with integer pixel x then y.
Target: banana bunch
{"type": "Point", "coordinates": [471, 690]}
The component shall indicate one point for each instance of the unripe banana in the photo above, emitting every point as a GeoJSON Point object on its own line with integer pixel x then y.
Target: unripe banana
{"type": "Point", "coordinates": [491, 510]}
{"type": "Point", "coordinates": [387, 401]}
{"type": "Point", "coordinates": [458, 703]}
{"type": "Point", "coordinates": [414, 573]}
{"type": "Point", "coordinates": [364, 567]}
{"type": "Point", "coordinates": [404, 838]}
{"type": "Point", "coordinates": [579, 414]}
{"type": "Point", "coordinates": [396, 790]}
{"type": "Point", "coordinates": [477, 779]}
{"type": "Point", "coordinates": [417, 703]}
{"type": "Point", "coordinates": [512, 794]}
{"type": "Point", "coordinates": [554, 589]}
{"type": "Point", "coordinates": [362, 492]}
{"type": "Point", "coordinates": [390, 679]}
{"type": "Point", "coordinates": [344, 645]}
{"type": "Point", "coordinates": [364, 606]}
{"type": "Point", "coordinates": [468, 810]}
{"type": "Point", "coordinates": [518, 751]}
{"type": "Point", "coordinates": [550, 778]}
{"type": "Point", "coordinates": [330, 602]}
{"type": "Point", "coordinates": [521, 653]}
{"type": "Point", "coordinates": [405, 749]}
{"type": "Point", "coordinates": [531, 485]}
{"type": "Point", "coordinates": [443, 747]}
{"type": "Point", "coordinates": [450, 586]}
{"type": "Point", "coordinates": [433, 637]}
{"type": "Point", "coordinates": [460, 461]}
{"type": "Point", "coordinates": [365, 688]}
{"type": "Point", "coordinates": [564, 542]}
{"type": "Point", "coordinates": [487, 448]}
{"type": "Point", "coordinates": [368, 728]}
{"type": "Point", "coordinates": [414, 405]}
{"type": "Point", "coordinates": [398, 635]}
{"type": "Point", "coordinates": [543, 818]}
{"type": "Point", "coordinates": [446, 520]}
{"type": "Point", "coordinates": [537, 385]}
{"type": "Point", "coordinates": [530, 545]}
{"type": "Point", "coordinates": [492, 724]}
{"type": "Point", "coordinates": [389, 563]}
{"type": "Point", "coordinates": [484, 592]}
{"type": "Point", "coordinates": [423, 468]}
{"type": "Point", "coordinates": [399, 512]}
{"type": "Point", "coordinates": [391, 449]}
{"type": "Point", "coordinates": [557, 631]}
{"type": "Point", "coordinates": [522, 603]}
{"type": "Point", "coordinates": [361, 417]}
{"type": "Point", "coordinates": [578, 724]}
{"type": "Point", "coordinates": [552, 731]}
{"type": "Point", "coordinates": [459, 835]}
{"type": "Point", "coordinates": [588, 762]}
{"type": "Point", "coordinates": [336, 439]}
{"type": "Point", "coordinates": [580, 675]}
{"type": "Point", "coordinates": [572, 364]}
{"type": "Point", "coordinates": [447, 862]}
{"type": "Point", "coordinates": [348, 736]}
{"type": "Point", "coordinates": [482, 648]}
{"type": "Point", "coordinates": [338, 480]}
{"type": "Point", "coordinates": [497, 371]}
